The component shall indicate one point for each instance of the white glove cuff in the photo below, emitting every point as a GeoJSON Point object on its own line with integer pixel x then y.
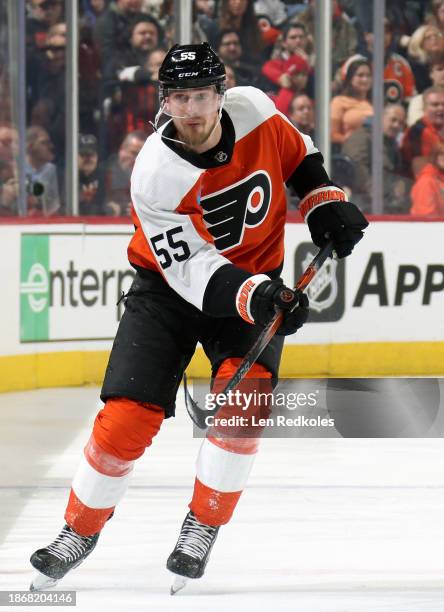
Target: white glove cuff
{"type": "Point", "coordinates": [245, 293]}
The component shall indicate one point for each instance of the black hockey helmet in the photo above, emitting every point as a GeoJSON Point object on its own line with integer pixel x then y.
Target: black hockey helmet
{"type": "Point", "coordinates": [189, 66]}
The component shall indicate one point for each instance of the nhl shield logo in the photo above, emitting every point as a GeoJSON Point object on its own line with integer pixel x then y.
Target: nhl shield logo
{"type": "Point", "coordinates": [326, 292]}
{"type": "Point", "coordinates": [323, 289]}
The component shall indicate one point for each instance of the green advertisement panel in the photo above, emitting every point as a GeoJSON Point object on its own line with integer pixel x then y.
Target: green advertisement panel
{"type": "Point", "coordinates": [34, 288]}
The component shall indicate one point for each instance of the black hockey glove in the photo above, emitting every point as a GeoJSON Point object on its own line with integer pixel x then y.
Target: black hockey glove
{"type": "Point", "coordinates": [271, 296]}
{"type": "Point", "coordinates": [341, 222]}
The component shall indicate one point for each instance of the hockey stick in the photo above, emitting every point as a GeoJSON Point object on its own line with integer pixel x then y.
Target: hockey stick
{"type": "Point", "coordinates": [197, 414]}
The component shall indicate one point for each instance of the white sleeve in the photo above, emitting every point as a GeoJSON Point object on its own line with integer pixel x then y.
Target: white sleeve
{"type": "Point", "coordinates": [186, 258]}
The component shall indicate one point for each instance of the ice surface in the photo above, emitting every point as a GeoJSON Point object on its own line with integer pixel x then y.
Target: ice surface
{"type": "Point", "coordinates": [325, 525]}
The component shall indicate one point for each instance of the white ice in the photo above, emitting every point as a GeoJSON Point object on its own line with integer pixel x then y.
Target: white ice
{"type": "Point", "coordinates": [325, 524]}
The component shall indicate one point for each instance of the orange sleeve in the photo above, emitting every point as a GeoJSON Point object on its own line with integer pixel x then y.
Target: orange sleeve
{"type": "Point", "coordinates": [425, 197]}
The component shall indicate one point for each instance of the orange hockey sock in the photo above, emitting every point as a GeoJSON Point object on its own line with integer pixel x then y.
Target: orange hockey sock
{"type": "Point", "coordinates": [122, 430]}
{"type": "Point", "coordinates": [227, 455]}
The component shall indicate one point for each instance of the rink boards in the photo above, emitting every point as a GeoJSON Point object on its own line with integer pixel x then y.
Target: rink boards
{"type": "Point", "coordinates": [377, 313]}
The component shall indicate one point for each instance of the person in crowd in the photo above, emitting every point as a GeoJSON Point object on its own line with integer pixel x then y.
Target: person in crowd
{"type": "Point", "coordinates": [301, 114]}
{"type": "Point", "coordinates": [344, 36]}
{"type": "Point", "coordinates": [135, 101]}
{"type": "Point", "coordinates": [238, 15]}
{"type": "Point", "coordinates": [144, 35]}
{"type": "Point", "coordinates": [118, 174]}
{"type": "Point", "coordinates": [90, 177]}
{"type": "Point", "coordinates": [230, 50]}
{"type": "Point", "coordinates": [9, 187]}
{"type": "Point", "coordinates": [423, 136]}
{"type": "Point", "coordinates": [358, 147]}
{"type": "Point", "coordinates": [46, 93]}
{"type": "Point", "coordinates": [399, 81]}
{"type": "Point", "coordinates": [416, 104]}
{"type": "Point", "coordinates": [349, 109]}
{"type": "Point", "coordinates": [111, 28]}
{"type": "Point", "coordinates": [294, 39]}
{"type": "Point", "coordinates": [425, 41]}
{"type": "Point", "coordinates": [292, 43]}
{"type": "Point", "coordinates": [43, 14]}
{"type": "Point", "coordinates": [293, 80]}
{"type": "Point", "coordinates": [42, 172]}
{"type": "Point", "coordinates": [428, 190]}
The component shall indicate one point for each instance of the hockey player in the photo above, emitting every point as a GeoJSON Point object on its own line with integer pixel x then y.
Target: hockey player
{"type": "Point", "coordinates": [209, 212]}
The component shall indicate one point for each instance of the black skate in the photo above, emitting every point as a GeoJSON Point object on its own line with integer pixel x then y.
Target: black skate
{"type": "Point", "coordinates": [192, 551]}
{"type": "Point", "coordinates": [67, 551]}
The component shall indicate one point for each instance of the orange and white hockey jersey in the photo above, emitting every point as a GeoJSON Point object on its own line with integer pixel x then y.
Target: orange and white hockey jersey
{"type": "Point", "coordinates": [194, 218]}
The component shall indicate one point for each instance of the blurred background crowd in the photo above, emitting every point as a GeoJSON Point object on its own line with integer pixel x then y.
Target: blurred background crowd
{"type": "Point", "coordinates": [266, 43]}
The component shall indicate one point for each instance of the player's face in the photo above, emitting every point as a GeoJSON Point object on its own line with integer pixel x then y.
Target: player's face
{"type": "Point", "coordinates": [195, 112]}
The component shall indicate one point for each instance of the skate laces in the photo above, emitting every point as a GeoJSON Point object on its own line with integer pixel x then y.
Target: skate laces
{"type": "Point", "coordinates": [69, 545]}
{"type": "Point", "coordinates": [195, 538]}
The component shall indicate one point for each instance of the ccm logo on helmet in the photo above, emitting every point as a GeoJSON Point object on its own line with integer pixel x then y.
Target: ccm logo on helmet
{"type": "Point", "coordinates": [188, 74]}
{"type": "Point", "coordinates": [188, 55]}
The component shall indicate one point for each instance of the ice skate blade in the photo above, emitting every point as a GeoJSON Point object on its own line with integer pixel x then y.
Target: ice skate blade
{"type": "Point", "coordinates": [42, 582]}
{"type": "Point", "coordinates": [179, 582]}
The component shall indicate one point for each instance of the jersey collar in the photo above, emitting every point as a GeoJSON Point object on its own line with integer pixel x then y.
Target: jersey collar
{"type": "Point", "coordinates": [220, 155]}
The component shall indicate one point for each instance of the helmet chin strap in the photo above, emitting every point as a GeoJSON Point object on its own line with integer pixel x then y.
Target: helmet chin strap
{"type": "Point", "coordinates": [161, 111]}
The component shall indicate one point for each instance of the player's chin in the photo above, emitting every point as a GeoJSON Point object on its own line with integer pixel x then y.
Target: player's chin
{"type": "Point", "coordinates": [198, 137]}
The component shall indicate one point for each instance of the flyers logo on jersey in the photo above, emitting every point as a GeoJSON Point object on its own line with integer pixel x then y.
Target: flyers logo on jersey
{"type": "Point", "coordinates": [229, 211]}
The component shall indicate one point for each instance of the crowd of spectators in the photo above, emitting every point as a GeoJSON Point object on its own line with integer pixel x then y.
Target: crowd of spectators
{"type": "Point", "coordinates": [269, 44]}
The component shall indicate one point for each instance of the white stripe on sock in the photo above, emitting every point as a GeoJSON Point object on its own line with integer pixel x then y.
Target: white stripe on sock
{"type": "Point", "coordinates": [97, 490]}
{"type": "Point", "coordinates": [222, 470]}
